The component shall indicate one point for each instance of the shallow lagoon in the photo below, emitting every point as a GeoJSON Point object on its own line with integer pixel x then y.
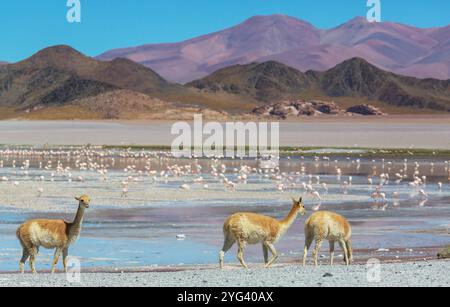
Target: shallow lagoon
{"type": "Point", "coordinates": [140, 230]}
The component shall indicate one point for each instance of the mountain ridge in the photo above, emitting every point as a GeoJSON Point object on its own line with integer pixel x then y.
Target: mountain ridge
{"type": "Point", "coordinates": [394, 47]}
{"type": "Point", "coordinates": [60, 76]}
{"type": "Point", "coordinates": [357, 78]}
{"type": "Point", "coordinates": [61, 80]}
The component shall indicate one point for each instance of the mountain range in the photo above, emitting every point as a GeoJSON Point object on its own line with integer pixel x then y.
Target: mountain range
{"type": "Point", "coordinates": [354, 78]}
{"type": "Point", "coordinates": [60, 82]}
{"type": "Point", "coordinates": [394, 47]}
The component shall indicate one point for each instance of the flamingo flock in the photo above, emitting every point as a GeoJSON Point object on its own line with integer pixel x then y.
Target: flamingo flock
{"type": "Point", "coordinates": [320, 179]}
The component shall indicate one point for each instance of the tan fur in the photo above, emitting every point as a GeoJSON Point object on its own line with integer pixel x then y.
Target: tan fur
{"type": "Point", "coordinates": [328, 226]}
{"type": "Point", "coordinates": [250, 228]}
{"type": "Point", "coordinates": [50, 234]}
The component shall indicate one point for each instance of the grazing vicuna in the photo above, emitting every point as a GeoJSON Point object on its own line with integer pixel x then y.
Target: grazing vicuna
{"type": "Point", "coordinates": [50, 234]}
{"type": "Point", "coordinates": [250, 228]}
{"type": "Point", "coordinates": [328, 226]}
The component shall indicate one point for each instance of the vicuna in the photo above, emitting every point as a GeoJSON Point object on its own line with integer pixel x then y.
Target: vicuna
{"type": "Point", "coordinates": [328, 226]}
{"type": "Point", "coordinates": [250, 228]}
{"type": "Point", "coordinates": [50, 234]}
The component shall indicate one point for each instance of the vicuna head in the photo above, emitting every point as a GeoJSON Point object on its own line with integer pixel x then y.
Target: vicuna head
{"type": "Point", "coordinates": [299, 205]}
{"type": "Point", "coordinates": [84, 201]}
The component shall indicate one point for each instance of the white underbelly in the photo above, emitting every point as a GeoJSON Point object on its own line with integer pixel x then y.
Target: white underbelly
{"type": "Point", "coordinates": [256, 238]}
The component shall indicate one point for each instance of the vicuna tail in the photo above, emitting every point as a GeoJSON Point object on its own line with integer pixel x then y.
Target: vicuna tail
{"type": "Point", "coordinates": [226, 229]}
{"type": "Point", "coordinates": [18, 235]}
{"type": "Point", "coordinates": [227, 226]}
{"type": "Point", "coordinates": [228, 237]}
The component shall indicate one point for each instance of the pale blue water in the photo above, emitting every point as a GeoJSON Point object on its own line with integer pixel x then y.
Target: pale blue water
{"type": "Point", "coordinates": [136, 237]}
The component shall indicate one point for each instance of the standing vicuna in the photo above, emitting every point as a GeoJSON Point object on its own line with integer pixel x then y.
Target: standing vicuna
{"type": "Point", "coordinates": [329, 226]}
{"type": "Point", "coordinates": [250, 228]}
{"type": "Point", "coordinates": [50, 234]}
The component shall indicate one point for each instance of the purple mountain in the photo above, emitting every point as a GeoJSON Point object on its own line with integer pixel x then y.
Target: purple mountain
{"type": "Point", "coordinates": [394, 47]}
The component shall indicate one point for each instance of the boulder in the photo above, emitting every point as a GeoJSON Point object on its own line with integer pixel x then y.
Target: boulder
{"type": "Point", "coordinates": [365, 109]}
{"type": "Point", "coordinates": [262, 110]}
{"type": "Point", "coordinates": [280, 111]}
{"type": "Point", "coordinates": [284, 109]}
{"type": "Point", "coordinates": [287, 108]}
{"type": "Point", "coordinates": [327, 107]}
{"type": "Point", "coordinates": [444, 254]}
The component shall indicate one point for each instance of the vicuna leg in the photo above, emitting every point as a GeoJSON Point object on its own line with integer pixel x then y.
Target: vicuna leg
{"type": "Point", "coordinates": [65, 253]}
{"type": "Point", "coordinates": [33, 254]}
{"type": "Point", "coordinates": [331, 252]}
{"type": "Point", "coordinates": [25, 256]}
{"type": "Point", "coordinates": [240, 254]}
{"type": "Point", "coordinates": [316, 251]}
{"type": "Point", "coordinates": [344, 249]}
{"type": "Point", "coordinates": [349, 250]}
{"type": "Point", "coordinates": [308, 242]}
{"type": "Point", "coordinates": [227, 245]}
{"type": "Point", "coordinates": [266, 254]}
{"type": "Point", "coordinates": [56, 259]}
{"type": "Point", "coordinates": [274, 253]}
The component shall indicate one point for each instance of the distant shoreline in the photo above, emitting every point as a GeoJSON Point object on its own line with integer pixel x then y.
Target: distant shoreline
{"type": "Point", "coordinates": [285, 152]}
{"type": "Point", "coordinates": [381, 132]}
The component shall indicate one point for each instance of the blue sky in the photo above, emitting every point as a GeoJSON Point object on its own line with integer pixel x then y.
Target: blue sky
{"type": "Point", "coordinates": [28, 26]}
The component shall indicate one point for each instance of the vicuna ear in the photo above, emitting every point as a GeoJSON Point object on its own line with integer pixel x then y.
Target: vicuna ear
{"type": "Point", "coordinates": [294, 200]}
{"type": "Point", "coordinates": [77, 198]}
{"type": "Point", "coordinates": [301, 200]}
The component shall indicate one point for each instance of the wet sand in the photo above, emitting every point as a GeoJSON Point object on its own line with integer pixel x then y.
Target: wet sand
{"type": "Point", "coordinates": [424, 132]}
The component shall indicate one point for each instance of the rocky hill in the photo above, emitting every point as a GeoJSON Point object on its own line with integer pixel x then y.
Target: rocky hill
{"type": "Point", "coordinates": [355, 78]}
{"type": "Point", "coordinates": [60, 76]}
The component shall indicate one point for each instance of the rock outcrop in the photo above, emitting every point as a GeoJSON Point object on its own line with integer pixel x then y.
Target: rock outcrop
{"type": "Point", "coordinates": [365, 109]}
{"type": "Point", "coordinates": [285, 109]}
{"type": "Point", "coordinates": [444, 254]}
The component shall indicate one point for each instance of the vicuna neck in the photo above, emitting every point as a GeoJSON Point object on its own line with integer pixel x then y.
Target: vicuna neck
{"type": "Point", "coordinates": [290, 218]}
{"type": "Point", "coordinates": [75, 227]}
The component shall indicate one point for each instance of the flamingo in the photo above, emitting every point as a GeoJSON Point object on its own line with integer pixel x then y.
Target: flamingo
{"type": "Point", "coordinates": [185, 187]}
{"type": "Point", "coordinates": [124, 193]}
{"type": "Point", "coordinates": [316, 208]}
{"type": "Point", "coordinates": [316, 195]}
{"type": "Point", "coordinates": [423, 203]}
{"type": "Point", "coordinates": [423, 194]}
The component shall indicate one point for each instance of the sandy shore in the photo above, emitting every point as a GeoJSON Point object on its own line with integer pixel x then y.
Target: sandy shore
{"type": "Point", "coordinates": [427, 132]}
{"type": "Point", "coordinates": [414, 274]}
